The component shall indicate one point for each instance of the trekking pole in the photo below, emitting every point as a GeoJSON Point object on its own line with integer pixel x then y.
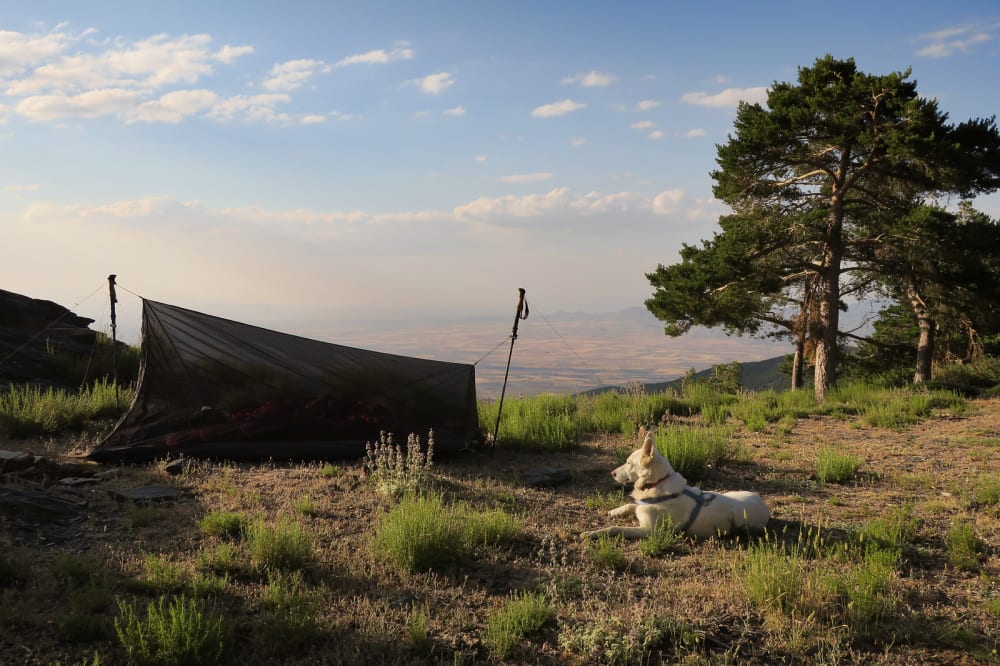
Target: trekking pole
{"type": "Point", "coordinates": [519, 314]}
{"type": "Point", "coordinates": [114, 337]}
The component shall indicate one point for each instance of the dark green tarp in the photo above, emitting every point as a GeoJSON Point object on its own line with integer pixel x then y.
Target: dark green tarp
{"type": "Point", "coordinates": [214, 387]}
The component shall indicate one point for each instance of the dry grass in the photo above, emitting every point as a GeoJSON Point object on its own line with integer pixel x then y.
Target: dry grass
{"type": "Point", "coordinates": [692, 602]}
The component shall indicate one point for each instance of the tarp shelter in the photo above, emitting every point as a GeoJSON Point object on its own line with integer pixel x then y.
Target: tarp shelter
{"type": "Point", "coordinates": [212, 387]}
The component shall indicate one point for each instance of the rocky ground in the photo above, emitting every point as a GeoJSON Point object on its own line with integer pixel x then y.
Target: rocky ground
{"type": "Point", "coordinates": [364, 608]}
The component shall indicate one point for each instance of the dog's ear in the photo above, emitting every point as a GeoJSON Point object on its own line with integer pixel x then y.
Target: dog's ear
{"type": "Point", "coordinates": [648, 446]}
{"type": "Point", "coordinates": [642, 433]}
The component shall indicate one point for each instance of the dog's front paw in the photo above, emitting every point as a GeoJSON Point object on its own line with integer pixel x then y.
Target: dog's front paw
{"type": "Point", "coordinates": [623, 510]}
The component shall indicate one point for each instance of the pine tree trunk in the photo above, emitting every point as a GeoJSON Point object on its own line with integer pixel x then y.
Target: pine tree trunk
{"type": "Point", "coordinates": [925, 344]}
{"type": "Point", "coordinates": [797, 363]}
{"type": "Point", "coordinates": [797, 370]}
{"type": "Point", "coordinates": [826, 355]}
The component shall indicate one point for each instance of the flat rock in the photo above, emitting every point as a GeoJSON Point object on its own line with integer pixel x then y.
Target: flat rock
{"type": "Point", "coordinates": [78, 480]}
{"type": "Point", "coordinates": [15, 461]}
{"type": "Point", "coordinates": [50, 518]}
{"type": "Point", "coordinates": [147, 493]}
{"type": "Point", "coordinates": [544, 476]}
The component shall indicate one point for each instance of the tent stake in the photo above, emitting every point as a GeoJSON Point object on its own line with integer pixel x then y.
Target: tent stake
{"type": "Point", "coordinates": [519, 314]}
{"type": "Point", "coordinates": [114, 338]}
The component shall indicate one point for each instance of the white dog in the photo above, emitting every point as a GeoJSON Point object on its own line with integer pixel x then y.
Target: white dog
{"type": "Point", "coordinates": [660, 493]}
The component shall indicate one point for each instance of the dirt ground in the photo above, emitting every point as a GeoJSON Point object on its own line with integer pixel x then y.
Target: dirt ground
{"type": "Point", "coordinates": [364, 607]}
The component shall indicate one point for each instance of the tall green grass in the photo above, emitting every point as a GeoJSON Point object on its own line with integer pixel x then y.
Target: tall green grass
{"type": "Point", "coordinates": [550, 422]}
{"type": "Point", "coordinates": [890, 407]}
{"type": "Point", "coordinates": [691, 449]}
{"type": "Point", "coordinates": [31, 411]}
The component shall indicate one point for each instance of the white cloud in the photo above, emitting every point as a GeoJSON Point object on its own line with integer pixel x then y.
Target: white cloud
{"type": "Point", "coordinates": [162, 60]}
{"type": "Point", "coordinates": [21, 188]}
{"type": "Point", "coordinates": [647, 105]}
{"type": "Point", "coordinates": [287, 76]}
{"type": "Point", "coordinates": [557, 109]}
{"type": "Point", "coordinates": [481, 158]}
{"type": "Point", "coordinates": [344, 117]}
{"type": "Point", "coordinates": [90, 104]}
{"type": "Point", "coordinates": [643, 124]}
{"type": "Point", "coordinates": [555, 208]}
{"type": "Point", "coordinates": [19, 51]}
{"type": "Point", "coordinates": [173, 107]}
{"type": "Point", "coordinates": [147, 64]}
{"type": "Point", "coordinates": [377, 57]}
{"type": "Point", "coordinates": [728, 98]}
{"type": "Point", "coordinates": [577, 141]}
{"type": "Point", "coordinates": [251, 107]}
{"type": "Point", "coordinates": [433, 84]}
{"type": "Point", "coordinates": [694, 133]}
{"type": "Point", "coordinates": [313, 119]}
{"type": "Point", "coordinates": [228, 54]}
{"type": "Point", "coordinates": [530, 205]}
{"type": "Point", "coordinates": [944, 43]}
{"type": "Point", "coordinates": [721, 79]}
{"type": "Point", "coordinates": [667, 201]}
{"type": "Point", "coordinates": [70, 74]}
{"type": "Point", "coordinates": [527, 177]}
{"type": "Point", "coordinates": [657, 134]}
{"type": "Point", "coordinates": [457, 111]}
{"type": "Point", "coordinates": [591, 79]}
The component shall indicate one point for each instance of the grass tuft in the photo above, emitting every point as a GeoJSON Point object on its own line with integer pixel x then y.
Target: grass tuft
{"type": "Point", "coordinates": [420, 534]}
{"type": "Point", "coordinates": [835, 467]}
{"type": "Point", "coordinates": [285, 545]}
{"type": "Point", "coordinates": [520, 616]}
{"type": "Point", "coordinates": [175, 631]}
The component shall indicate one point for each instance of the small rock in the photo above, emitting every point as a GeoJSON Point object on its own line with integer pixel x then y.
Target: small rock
{"type": "Point", "coordinates": [545, 476]}
{"type": "Point", "coordinates": [175, 467]}
{"type": "Point", "coordinates": [15, 461]}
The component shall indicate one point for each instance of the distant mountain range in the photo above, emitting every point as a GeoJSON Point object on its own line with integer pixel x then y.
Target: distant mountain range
{"type": "Point", "coordinates": [756, 376]}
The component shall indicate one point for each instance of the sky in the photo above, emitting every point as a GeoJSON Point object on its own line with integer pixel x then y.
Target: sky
{"type": "Point", "coordinates": [300, 162]}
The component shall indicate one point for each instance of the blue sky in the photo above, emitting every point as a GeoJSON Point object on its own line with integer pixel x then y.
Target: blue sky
{"type": "Point", "coordinates": [295, 162]}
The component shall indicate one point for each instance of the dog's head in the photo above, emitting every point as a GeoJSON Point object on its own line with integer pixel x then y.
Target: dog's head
{"type": "Point", "coordinates": [646, 467]}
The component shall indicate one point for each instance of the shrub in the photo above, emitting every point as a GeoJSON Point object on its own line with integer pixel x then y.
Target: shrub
{"type": "Point", "coordinates": [613, 641]}
{"type": "Point", "coordinates": [834, 467]}
{"type": "Point", "coordinates": [870, 589]}
{"type": "Point", "coordinates": [964, 547]}
{"type": "Point", "coordinates": [491, 527]}
{"type": "Point", "coordinates": [608, 552]}
{"type": "Point", "coordinates": [223, 558]}
{"type": "Point", "coordinates": [777, 576]}
{"type": "Point", "coordinates": [985, 490]}
{"type": "Point", "coordinates": [305, 506]}
{"type": "Point", "coordinates": [223, 523]}
{"type": "Point", "coordinates": [662, 539]}
{"type": "Point", "coordinates": [284, 545]}
{"type": "Point", "coordinates": [159, 575]}
{"type": "Point", "coordinates": [395, 472]}
{"type": "Point", "coordinates": [892, 532]}
{"type": "Point", "coordinates": [329, 471]}
{"type": "Point", "coordinates": [520, 616]}
{"type": "Point", "coordinates": [290, 609]}
{"type": "Point", "coordinates": [175, 632]}
{"type": "Point", "coordinates": [416, 628]}
{"type": "Point", "coordinates": [420, 534]}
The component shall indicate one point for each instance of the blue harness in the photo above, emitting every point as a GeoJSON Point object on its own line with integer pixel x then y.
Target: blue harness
{"type": "Point", "coordinates": [701, 498]}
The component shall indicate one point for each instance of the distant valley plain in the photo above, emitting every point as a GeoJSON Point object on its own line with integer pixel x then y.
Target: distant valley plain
{"type": "Point", "coordinates": [559, 353]}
